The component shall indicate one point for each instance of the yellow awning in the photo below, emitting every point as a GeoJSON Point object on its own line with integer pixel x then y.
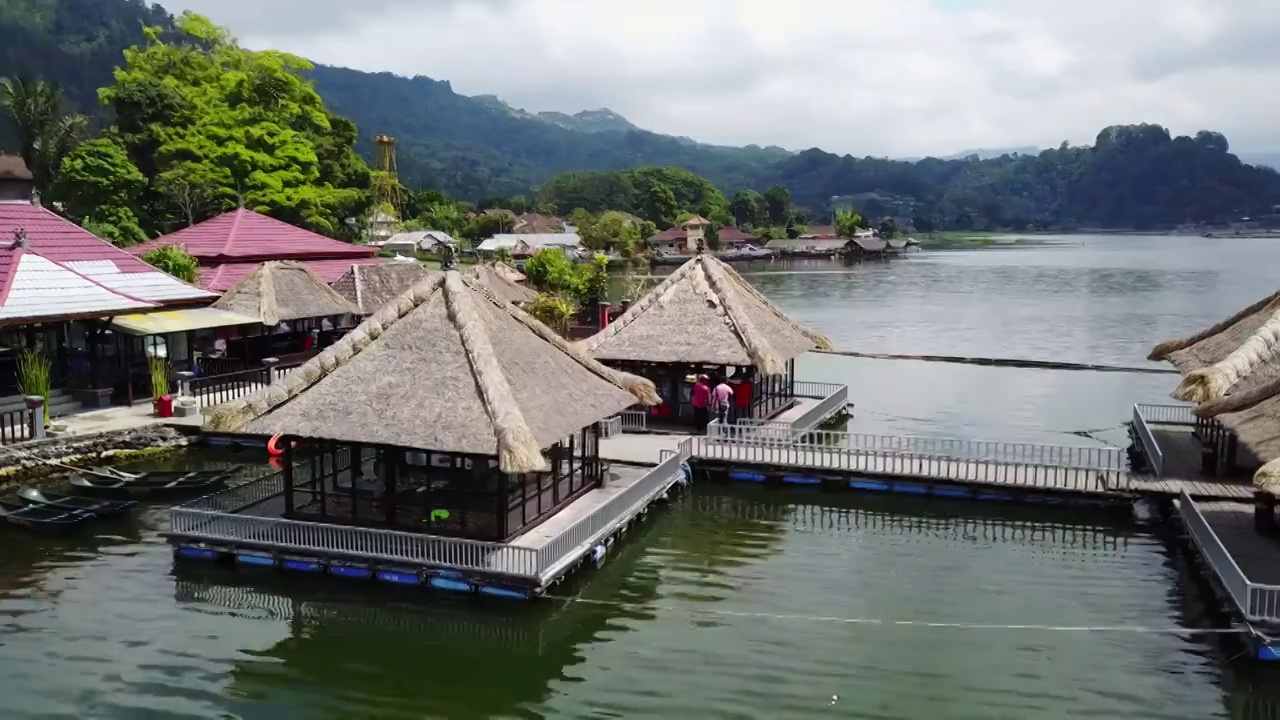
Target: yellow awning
{"type": "Point", "coordinates": [172, 321]}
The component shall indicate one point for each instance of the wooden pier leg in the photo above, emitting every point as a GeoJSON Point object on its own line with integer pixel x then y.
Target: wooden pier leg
{"type": "Point", "coordinates": [1264, 514]}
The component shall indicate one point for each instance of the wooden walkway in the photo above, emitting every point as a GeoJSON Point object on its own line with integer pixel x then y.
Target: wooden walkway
{"type": "Point", "coordinates": [1183, 470]}
{"type": "Point", "coordinates": [811, 463]}
{"type": "Point", "coordinates": [1258, 557]}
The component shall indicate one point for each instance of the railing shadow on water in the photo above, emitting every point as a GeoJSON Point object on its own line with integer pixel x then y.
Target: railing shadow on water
{"type": "Point", "coordinates": [810, 510]}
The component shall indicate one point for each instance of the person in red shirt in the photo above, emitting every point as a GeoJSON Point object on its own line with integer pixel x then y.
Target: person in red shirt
{"type": "Point", "coordinates": [701, 402]}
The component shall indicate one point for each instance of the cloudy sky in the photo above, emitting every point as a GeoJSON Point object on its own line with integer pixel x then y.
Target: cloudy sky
{"type": "Point", "coordinates": [868, 77]}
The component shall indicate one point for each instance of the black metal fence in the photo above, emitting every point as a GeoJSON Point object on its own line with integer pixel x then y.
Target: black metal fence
{"type": "Point", "coordinates": [217, 389]}
{"type": "Point", "coordinates": [15, 426]}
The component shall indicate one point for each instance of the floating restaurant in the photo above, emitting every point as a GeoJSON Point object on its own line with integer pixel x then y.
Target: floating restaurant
{"type": "Point", "coordinates": [1230, 372]}
{"type": "Point", "coordinates": [704, 318]}
{"type": "Point", "coordinates": [488, 455]}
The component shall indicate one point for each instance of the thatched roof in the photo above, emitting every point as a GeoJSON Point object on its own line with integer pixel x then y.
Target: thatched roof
{"type": "Point", "coordinates": [443, 367]}
{"type": "Point", "coordinates": [283, 290]}
{"type": "Point", "coordinates": [705, 312]}
{"type": "Point", "coordinates": [369, 287]}
{"type": "Point", "coordinates": [506, 270]}
{"type": "Point", "coordinates": [502, 287]}
{"type": "Point", "coordinates": [1232, 370]}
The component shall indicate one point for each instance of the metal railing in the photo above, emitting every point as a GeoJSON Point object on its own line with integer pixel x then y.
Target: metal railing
{"type": "Point", "coordinates": [1256, 601]}
{"type": "Point", "coordinates": [1107, 459]}
{"type": "Point", "coordinates": [827, 408]}
{"type": "Point", "coordinates": [279, 371]}
{"type": "Point", "coordinates": [212, 390]}
{"type": "Point", "coordinates": [814, 390]}
{"type": "Point", "coordinates": [633, 420]}
{"type": "Point", "coordinates": [15, 425]}
{"type": "Point", "coordinates": [213, 519]}
{"type": "Point", "coordinates": [913, 464]}
{"type": "Point", "coordinates": [610, 427]}
{"type": "Point", "coordinates": [1166, 414]}
{"type": "Point", "coordinates": [254, 483]}
{"type": "Point", "coordinates": [354, 543]}
{"type": "Point", "coordinates": [1150, 448]}
{"type": "Point", "coordinates": [578, 538]}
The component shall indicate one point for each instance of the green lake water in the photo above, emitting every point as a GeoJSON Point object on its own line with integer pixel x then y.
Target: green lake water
{"type": "Point", "coordinates": [737, 602]}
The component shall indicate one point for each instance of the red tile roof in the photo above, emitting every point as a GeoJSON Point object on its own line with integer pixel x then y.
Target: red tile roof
{"type": "Point", "coordinates": [246, 236]}
{"type": "Point", "coordinates": [734, 236]}
{"type": "Point", "coordinates": [76, 251]}
{"type": "Point", "coordinates": [819, 231]}
{"type": "Point", "coordinates": [221, 278]}
{"type": "Point", "coordinates": [726, 236]}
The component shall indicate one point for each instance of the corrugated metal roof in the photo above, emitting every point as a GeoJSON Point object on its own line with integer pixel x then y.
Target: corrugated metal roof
{"type": "Point", "coordinates": [154, 286]}
{"type": "Point", "coordinates": [64, 242]}
{"type": "Point", "coordinates": [222, 278]}
{"type": "Point", "coordinates": [533, 240]}
{"type": "Point", "coordinates": [38, 288]}
{"type": "Point", "coordinates": [246, 236]}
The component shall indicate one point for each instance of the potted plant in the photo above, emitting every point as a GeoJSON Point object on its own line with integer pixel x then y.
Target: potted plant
{"type": "Point", "coordinates": [35, 376]}
{"type": "Point", "coordinates": [159, 370]}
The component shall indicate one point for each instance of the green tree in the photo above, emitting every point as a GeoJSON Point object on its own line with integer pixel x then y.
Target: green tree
{"type": "Point", "coordinates": [778, 203]}
{"type": "Point", "coordinates": [749, 209]}
{"type": "Point", "coordinates": [45, 133]}
{"type": "Point", "coordinates": [659, 205]}
{"type": "Point", "coordinates": [244, 124]}
{"type": "Point", "coordinates": [847, 223]}
{"type": "Point", "coordinates": [551, 271]}
{"type": "Point", "coordinates": [99, 188]}
{"type": "Point", "coordinates": [173, 260]}
{"type": "Point", "coordinates": [888, 229]}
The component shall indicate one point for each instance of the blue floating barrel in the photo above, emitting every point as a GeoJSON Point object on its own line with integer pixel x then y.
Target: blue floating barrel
{"type": "Point", "coordinates": [801, 480]}
{"type": "Point", "coordinates": [746, 476]}
{"type": "Point", "coordinates": [351, 571]}
{"type": "Point", "coordinates": [446, 583]}
{"type": "Point", "coordinates": [255, 560]}
{"type": "Point", "coordinates": [196, 553]}
{"type": "Point", "coordinates": [301, 565]}
{"type": "Point", "coordinates": [910, 488]}
{"type": "Point", "coordinates": [504, 593]}
{"type": "Point", "coordinates": [872, 485]}
{"type": "Point", "coordinates": [957, 492]}
{"type": "Point", "coordinates": [397, 577]}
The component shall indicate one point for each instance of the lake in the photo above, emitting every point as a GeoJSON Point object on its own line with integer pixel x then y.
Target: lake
{"type": "Point", "coordinates": [740, 602]}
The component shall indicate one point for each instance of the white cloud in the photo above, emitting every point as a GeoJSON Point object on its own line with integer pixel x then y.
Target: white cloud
{"type": "Point", "coordinates": [881, 77]}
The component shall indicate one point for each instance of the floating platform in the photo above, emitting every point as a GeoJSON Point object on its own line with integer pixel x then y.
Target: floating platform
{"type": "Point", "coordinates": [243, 526]}
{"type": "Point", "coordinates": [1242, 566]}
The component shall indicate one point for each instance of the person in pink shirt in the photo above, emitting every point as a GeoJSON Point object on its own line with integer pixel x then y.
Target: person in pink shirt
{"type": "Point", "coordinates": [701, 402]}
{"type": "Point", "coordinates": [722, 400]}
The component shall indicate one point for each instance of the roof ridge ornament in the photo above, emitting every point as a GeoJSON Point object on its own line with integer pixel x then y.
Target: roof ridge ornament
{"type": "Point", "coordinates": [19, 238]}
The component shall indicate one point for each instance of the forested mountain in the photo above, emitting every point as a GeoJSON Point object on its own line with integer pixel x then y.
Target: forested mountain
{"type": "Point", "coordinates": [472, 148]}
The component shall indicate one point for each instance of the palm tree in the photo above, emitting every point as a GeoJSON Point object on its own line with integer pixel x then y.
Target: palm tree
{"type": "Point", "coordinates": [45, 133]}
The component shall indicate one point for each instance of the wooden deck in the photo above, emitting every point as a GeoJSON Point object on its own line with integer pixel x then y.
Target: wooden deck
{"type": "Point", "coordinates": [617, 480]}
{"type": "Point", "coordinates": [1183, 470]}
{"type": "Point", "coordinates": [1258, 557]}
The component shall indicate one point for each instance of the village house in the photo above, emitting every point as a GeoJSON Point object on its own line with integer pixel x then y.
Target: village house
{"type": "Point", "coordinates": [88, 307]}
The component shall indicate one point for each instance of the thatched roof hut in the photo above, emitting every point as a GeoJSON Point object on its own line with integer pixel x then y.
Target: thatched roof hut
{"type": "Point", "coordinates": [506, 270]}
{"type": "Point", "coordinates": [369, 287]}
{"type": "Point", "coordinates": [501, 285]}
{"type": "Point", "coordinates": [443, 367]}
{"type": "Point", "coordinates": [1232, 370]}
{"type": "Point", "coordinates": [705, 313]}
{"type": "Point", "coordinates": [284, 290]}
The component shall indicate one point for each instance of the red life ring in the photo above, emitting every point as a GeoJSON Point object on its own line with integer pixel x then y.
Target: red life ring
{"type": "Point", "coordinates": [273, 449]}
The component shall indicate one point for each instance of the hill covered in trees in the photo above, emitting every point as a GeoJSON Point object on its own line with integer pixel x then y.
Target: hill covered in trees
{"type": "Point", "coordinates": [472, 148]}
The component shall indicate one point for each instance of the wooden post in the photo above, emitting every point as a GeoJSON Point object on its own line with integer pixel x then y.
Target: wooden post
{"type": "Point", "coordinates": [270, 364]}
{"type": "Point", "coordinates": [388, 470]}
{"type": "Point", "coordinates": [287, 476]}
{"type": "Point", "coordinates": [1264, 513]}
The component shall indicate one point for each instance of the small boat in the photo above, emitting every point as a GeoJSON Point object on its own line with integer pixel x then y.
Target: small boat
{"type": "Point", "coordinates": [155, 485]}
{"type": "Point", "coordinates": [40, 518]}
{"type": "Point", "coordinates": [101, 508]}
